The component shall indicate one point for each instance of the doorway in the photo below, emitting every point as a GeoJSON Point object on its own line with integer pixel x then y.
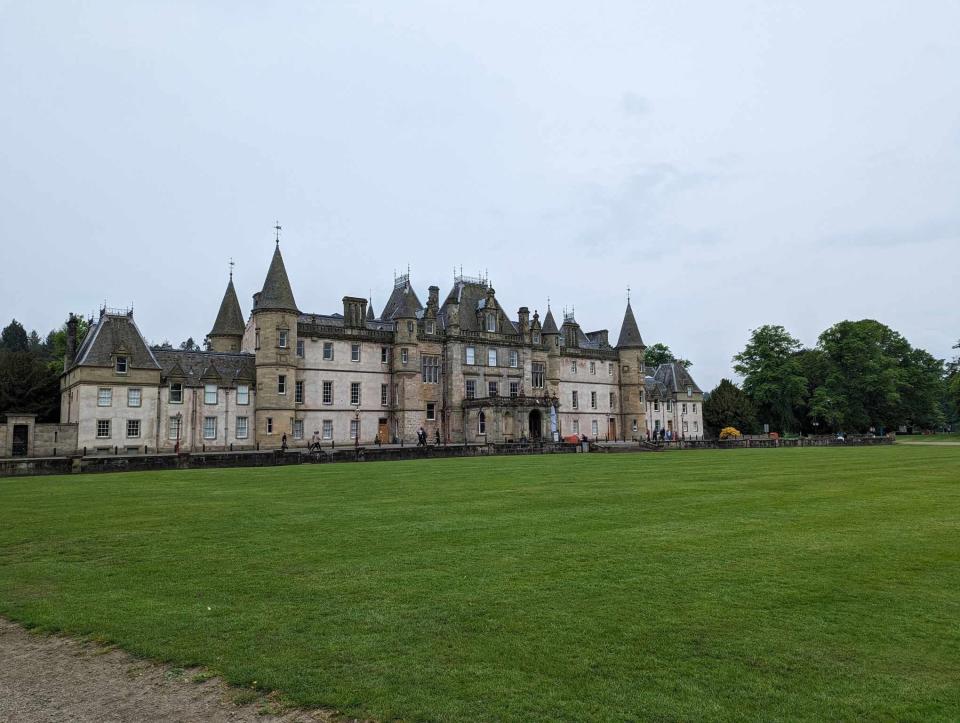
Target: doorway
{"type": "Point", "coordinates": [21, 438]}
{"type": "Point", "coordinates": [536, 421]}
{"type": "Point", "coordinates": [383, 430]}
{"type": "Point", "coordinates": [612, 428]}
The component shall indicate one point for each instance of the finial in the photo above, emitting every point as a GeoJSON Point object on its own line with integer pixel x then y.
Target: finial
{"type": "Point", "coordinates": [277, 228]}
{"type": "Point", "coordinates": [408, 269]}
{"type": "Point", "coordinates": [548, 303]}
{"type": "Point", "coordinates": [231, 268]}
{"type": "Point", "coordinates": [628, 293]}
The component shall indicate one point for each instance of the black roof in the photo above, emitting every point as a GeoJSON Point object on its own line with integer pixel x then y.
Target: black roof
{"type": "Point", "coordinates": [675, 377]}
{"type": "Point", "coordinates": [115, 334]}
{"type": "Point", "coordinates": [403, 302]}
{"type": "Point", "coordinates": [195, 368]}
{"type": "Point", "coordinates": [549, 325]}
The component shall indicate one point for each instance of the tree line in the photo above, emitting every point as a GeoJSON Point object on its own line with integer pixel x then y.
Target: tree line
{"type": "Point", "coordinates": [860, 376]}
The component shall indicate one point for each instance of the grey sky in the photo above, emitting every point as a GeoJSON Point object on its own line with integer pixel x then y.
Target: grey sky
{"type": "Point", "coordinates": [735, 163]}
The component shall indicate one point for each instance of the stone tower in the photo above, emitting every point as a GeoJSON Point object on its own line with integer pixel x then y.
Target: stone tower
{"type": "Point", "coordinates": [275, 318]}
{"type": "Point", "coordinates": [227, 332]}
{"type": "Point", "coordinates": [630, 350]}
{"type": "Point", "coordinates": [551, 339]}
{"type": "Point", "coordinates": [406, 360]}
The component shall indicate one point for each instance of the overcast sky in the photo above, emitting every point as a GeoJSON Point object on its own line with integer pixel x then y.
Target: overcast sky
{"type": "Point", "coordinates": [734, 163]}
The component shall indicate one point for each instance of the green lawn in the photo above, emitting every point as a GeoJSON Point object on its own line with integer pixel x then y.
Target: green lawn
{"type": "Point", "coordinates": [783, 584]}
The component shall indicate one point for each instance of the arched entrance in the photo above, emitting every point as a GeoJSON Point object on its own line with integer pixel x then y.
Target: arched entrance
{"type": "Point", "coordinates": [536, 422]}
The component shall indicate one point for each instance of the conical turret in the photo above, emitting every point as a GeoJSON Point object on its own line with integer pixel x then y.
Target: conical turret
{"type": "Point", "coordinates": [227, 332]}
{"type": "Point", "coordinates": [276, 294]}
{"type": "Point", "coordinates": [629, 332]}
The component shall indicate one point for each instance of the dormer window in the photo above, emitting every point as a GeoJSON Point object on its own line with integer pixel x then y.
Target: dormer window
{"type": "Point", "coordinates": [121, 365]}
{"type": "Point", "coordinates": [491, 322]}
{"type": "Point", "coordinates": [689, 391]}
{"type": "Point", "coordinates": [430, 327]}
{"type": "Point", "coordinates": [536, 337]}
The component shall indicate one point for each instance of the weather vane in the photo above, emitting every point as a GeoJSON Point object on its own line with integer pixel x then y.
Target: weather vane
{"type": "Point", "coordinates": [277, 228]}
{"type": "Point", "coordinates": [231, 268]}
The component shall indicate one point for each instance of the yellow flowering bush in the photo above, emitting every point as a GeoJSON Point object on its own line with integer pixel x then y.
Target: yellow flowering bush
{"type": "Point", "coordinates": [729, 433]}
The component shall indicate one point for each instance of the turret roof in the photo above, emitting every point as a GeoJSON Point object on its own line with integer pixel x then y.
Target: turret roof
{"type": "Point", "coordinates": [549, 325]}
{"type": "Point", "coordinates": [229, 319]}
{"type": "Point", "coordinates": [629, 332]}
{"type": "Point", "coordinates": [276, 293]}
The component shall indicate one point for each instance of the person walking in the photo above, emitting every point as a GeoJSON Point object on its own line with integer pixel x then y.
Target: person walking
{"type": "Point", "coordinates": [437, 432]}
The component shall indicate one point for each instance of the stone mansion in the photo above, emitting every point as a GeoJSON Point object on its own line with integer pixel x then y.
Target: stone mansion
{"type": "Point", "coordinates": [460, 368]}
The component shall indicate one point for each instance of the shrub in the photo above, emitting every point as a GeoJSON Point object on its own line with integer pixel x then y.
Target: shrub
{"type": "Point", "coordinates": [730, 433]}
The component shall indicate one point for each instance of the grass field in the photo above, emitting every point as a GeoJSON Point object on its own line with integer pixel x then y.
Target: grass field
{"type": "Point", "coordinates": [777, 584]}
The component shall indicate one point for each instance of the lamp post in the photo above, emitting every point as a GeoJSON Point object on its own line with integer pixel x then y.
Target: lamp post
{"type": "Point", "coordinates": [356, 436]}
{"type": "Point", "coordinates": [179, 426]}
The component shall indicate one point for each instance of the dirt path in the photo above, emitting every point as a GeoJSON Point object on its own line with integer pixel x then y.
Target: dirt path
{"type": "Point", "coordinates": [53, 678]}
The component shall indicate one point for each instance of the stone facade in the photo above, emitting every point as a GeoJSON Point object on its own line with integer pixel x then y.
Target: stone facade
{"type": "Point", "coordinates": [461, 369]}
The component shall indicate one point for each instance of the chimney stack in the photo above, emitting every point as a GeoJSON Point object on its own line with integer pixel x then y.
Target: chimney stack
{"type": "Point", "coordinates": [71, 341]}
{"type": "Point", "coordinates": [524, 314]}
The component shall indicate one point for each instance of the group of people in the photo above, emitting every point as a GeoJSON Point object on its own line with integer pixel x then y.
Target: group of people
{"type": "Point", "coordinates": [662, 434]}
{"type": "Point", "coordinates": [422, 437]}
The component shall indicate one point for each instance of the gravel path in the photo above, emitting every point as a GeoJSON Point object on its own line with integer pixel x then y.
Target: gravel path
{"type": "Point", "coordinates": [54, 678]}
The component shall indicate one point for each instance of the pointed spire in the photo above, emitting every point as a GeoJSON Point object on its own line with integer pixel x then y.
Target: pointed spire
{"type": "Point", "coordinates": [549, 325]}
{"type": "Point", "coordinates": [371, 315]}
{"type": "Point", "coordinates": [276, 293]}
{"type": "Point", "coordinates": [229, 319]}
{"type": "Point", "coordinates": [629, 332]}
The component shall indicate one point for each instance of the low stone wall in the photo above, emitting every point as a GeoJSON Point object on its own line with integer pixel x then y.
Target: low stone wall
{"type": "Point", "coordinates": [742, 443]}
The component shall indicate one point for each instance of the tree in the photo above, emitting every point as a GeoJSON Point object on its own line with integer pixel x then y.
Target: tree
{"type": "Point", "coordinates": [28, 385]}
{"type": "Point", "coordinates": [772, 375]}
{"type": "Point", "coordinates": [56, 343]}
{"type": "Point", "coordinates": [660, 353]}
{"type": "Point", "coordinates": [14, 337]}
{"type": "Point", "coordinates": [190, 345]}
{"type": "Point", "coordinates": [165, 344]}
{"type": "Point", "coordinates": [728, 406]}
{"type": "Point", "coordinates": [876, 379]}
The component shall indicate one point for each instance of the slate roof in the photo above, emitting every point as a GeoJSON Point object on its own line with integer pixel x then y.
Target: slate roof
{"type": "Point", "coordinates": [371, 316]}
{"type": "Point", "coordinates": [229, 319]}
{"type": "Point", "coordinates": [676, 378]}
{"type": "Point", "coordinates": [276, 293]}
{"type": "Point", "coordinates": [337, 320]}
{"type": "Point", "coordinates": [194, 368]}
{"type": "Point", "coordinates": [549, 325]}
{"type": "Point", "coordinates": [629, 332]}
{"type": "Point", "coordinates": [655, 389]}
{"type": "Point", "coordinates": [403, 303]}
{"type": "Point", "coordinates": [111, 335]}
{"type": "Point", "coordinates": [471, 298]}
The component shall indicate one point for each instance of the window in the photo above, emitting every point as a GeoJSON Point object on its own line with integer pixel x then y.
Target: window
{"type": "Point", "coordinates": [431, 411]}
{"type": "Point", "coordinates": [482, 423]}
{"type": "Point", "coordinates": [514, 390]}
{"type": "Point", "coordinates": [176, 394]}
{"type": "Point", "coordinates": [593, 400]}
{"type": "Point", "coordinates": [298, 392]}
{"type": "Point", "coordinates": [576, 426]}
{"type": "Point", "coordinates": [573, 367]}
{"type": "Point", "coordinates": [281, 384]}
{"type": "Point", "coordinates": [404, 356]}
{"type": "Point", "coordinates": [354, 425]}
{"type": "Point", "coordinates": [593, 367]}
{"type": "Point", "coordinates": [384, 395]}
{"type": "Point", "coordinates": [384, 355]}
{"type": "Point", "coordinates": [243, 428]}
{"type": "Point", "coordinates": [409, 327]}
{"type": "Point", "coordinates": [209, 427]}
{"type": "Point", "coordinates": [328, 351]}
{"type": "Point", "coordinates": [609, 369]}
{"type": "Point", "coordinates": [173, 428]}
{"type": "Point", "coordinates": [685, 428]}
{"type": "Point", "coordinates": [683, 408]}
{"type": "Point", "coordinates": [269, 425]}
{"type": "Point", "coordinates": [689, 391]}
{"type": "Point", "coordinates": [537, 375]}
{"type": "Point", "coordinates": [327, 393]}
{"type": "Point", "coordinates": [656, 406]}
{"type": "Point", "coordinates": [298, 429]}
{"type": "Point", "coordinates": [492, 389]}
{"type": "Point", "coordinates": [471, 355]}
{"type": "Point", "coordinates": [575, 399]}
{"type": "Point", "coordinates": [669, 406]}
{"type": "Point", "coordinates": [635, 427]}
{"type": "Point", "coordinates": [694, 407]}
{"type": "Point", "coordinates": [134, 395]}
{"type": "Point", "coordinates": [256, 339]}
{"type": "Point", "coordinates": [491, 322]}
{"type": "Point", "coordinates": [103, 428]}
{"type": "Point", "coordinates": [243, 394]}
{"type": "Point", "coordinates": [209, 393]}
{"type": "Point", "coordinates": [355, 393]}
{"type": "Point", "coordinates": [431, 369]}
{"type": "Point", "coordinates": [594, 428]}
{"type": "Point", "coordinates": [431, 327]}
{"type": "Point", "coordinates": [282, 338]}
{"type": "Point", "coordinates": [355, 352]}
{"type": "Point", "coordinates": [328, 429]}
{"type": "Point", "coordinates": [121, 365]}
{"type": "Point", "coordinates": [300, 350]}
{"type": "Point", "coordinates": [133, 428]}
{"type": "Point", "coordinates": [491, 357]}
{"type": "Point", "coordinates": [695, 427]}
{"type": "Point", "coordinates": [514, 358]}
{"type": "Point", "coordinates": [471, 389]}
{"type": "Point", "coordinates": [613, 400]}
{"type": "Point", "coordinates": [104, 397]}
{"type": "Point", "coordinates": [536, 337]}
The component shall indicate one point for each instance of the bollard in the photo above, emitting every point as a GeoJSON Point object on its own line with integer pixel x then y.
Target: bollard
{"type": "Point", "coordinates": [231, 446]}
{"type": "Point", "coordinates": [115, 448]}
